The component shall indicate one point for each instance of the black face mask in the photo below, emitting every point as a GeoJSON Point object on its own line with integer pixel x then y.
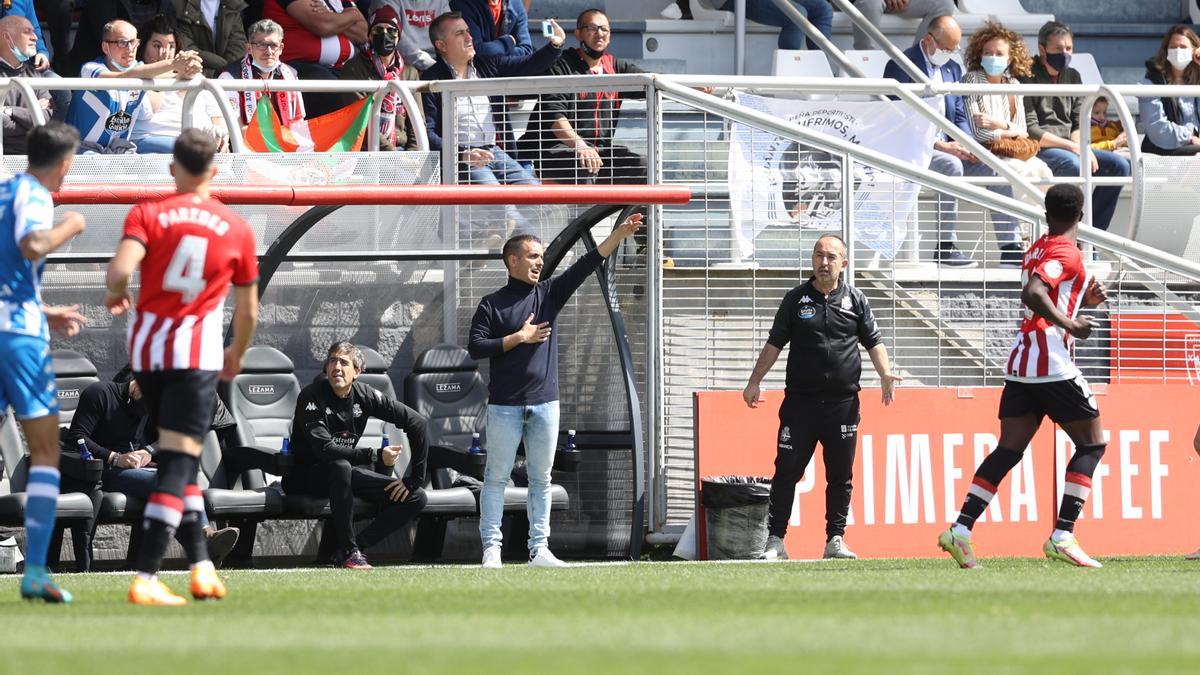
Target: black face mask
{"type": "Point", "coordinates": [383, 44]}
{"type": "Point", "coordinates": [1059, 61]}
{"type": "Point", "coordinates": [592, 53]}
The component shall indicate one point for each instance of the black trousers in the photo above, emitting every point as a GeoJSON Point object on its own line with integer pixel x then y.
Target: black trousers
{"type": "Point", "coordinates": [803, 422]}
{"type": "Point", "coordinates": [559, 164]}
{"type": "Point", "coordinates": [341, 483]}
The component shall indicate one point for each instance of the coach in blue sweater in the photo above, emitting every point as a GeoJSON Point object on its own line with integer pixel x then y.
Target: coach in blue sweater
{"type": "Point", "coordinates": [514, 327]}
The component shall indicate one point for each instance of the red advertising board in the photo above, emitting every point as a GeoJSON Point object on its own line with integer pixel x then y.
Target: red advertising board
{"type": "Point", "coordinates": [916, 457]}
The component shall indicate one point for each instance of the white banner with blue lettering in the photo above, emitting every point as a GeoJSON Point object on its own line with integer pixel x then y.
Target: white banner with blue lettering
{"type": "Point", "coordinates": [776, 182]}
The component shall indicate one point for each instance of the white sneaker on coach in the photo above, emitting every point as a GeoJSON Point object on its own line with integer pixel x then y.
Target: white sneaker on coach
{"type": "Point", "coordinates": [544, 558]}
{"type": "Point", "coordinates": [491, 558]}
{"type": "Point", "coordinates": [836, 548]}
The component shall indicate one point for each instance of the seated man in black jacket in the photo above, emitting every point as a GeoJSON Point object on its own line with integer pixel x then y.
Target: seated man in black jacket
{"type": "Point", "coordinates": [116, 427]}
{"type": "Point", "coordinates": [570, 135]}
{"type": "Point", "coordinates": [329, 420]}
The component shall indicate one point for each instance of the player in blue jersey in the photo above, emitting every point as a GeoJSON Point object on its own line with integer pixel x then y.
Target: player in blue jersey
{"type": "Point", "coordinates": [27, 379]}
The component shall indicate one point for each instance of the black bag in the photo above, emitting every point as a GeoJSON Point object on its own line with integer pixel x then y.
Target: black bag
{"type": "Point", "coordinates": [735, 516]}
{"type": "Point", "coordinates": [72, 466]}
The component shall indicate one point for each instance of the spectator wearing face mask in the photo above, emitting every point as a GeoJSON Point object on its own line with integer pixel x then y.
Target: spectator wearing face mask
{"type": "Point", "coordinates": [18, 44]}
{"type": "Point", "coordinates": [1172, 123]}
{"type": "Point", "coordinates": [381, 60]}
{"type": "Point", "coordinates": [1053, 121]}
{"type": "Point", "coordinates": [264, 44]}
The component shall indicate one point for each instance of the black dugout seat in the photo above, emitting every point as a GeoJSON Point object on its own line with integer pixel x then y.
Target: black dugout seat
{"type": "Point", "coordinates": [73, 372]}
{"type": "Point", "coordinates": [72, 506]}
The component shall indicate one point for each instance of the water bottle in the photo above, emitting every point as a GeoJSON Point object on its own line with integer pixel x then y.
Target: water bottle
{"type": "Point", "coordinates": [286, 448]}
{"type": "Point", "coordinates": [84, 453]}
{"type": "Point", "coordinates": [384, 443]}
{"type": "Point", "coordinates": [476, 448]}
{"type": "Point", "coordinates": [571, 441]}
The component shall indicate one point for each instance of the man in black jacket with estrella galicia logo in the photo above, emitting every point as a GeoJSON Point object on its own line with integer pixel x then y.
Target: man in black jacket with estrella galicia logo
{"type": "Point", "coordinates": [514, 327]}
{"type": "Point", "coordinates": [825, 320]}
{"type": "Point", "coordinates": [330, 417]}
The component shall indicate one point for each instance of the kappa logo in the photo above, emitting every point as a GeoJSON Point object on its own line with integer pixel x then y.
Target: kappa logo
{"type": "Point", "coordinates": [260, 389]}
{"type": "Point", "coordinates": [805, 299]}
{"type": "Point", "coordinates": [357, 410]}
{"type": "Point", "coordinates": [447, 387]}
{"type": "Point", "coordinates": [68, 393]}
{"type": "Point", "coordinates": [311, 407]}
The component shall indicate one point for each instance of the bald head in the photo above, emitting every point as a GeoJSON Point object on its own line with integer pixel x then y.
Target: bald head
{"type": "Point", "coordinates": [944, 34]}
{"type": "Point", "coordinates": [117, 29]}
{"type": "Point", "coordinates": [20, 37]}
{"type": "Point", "coordinates": [830, 241]}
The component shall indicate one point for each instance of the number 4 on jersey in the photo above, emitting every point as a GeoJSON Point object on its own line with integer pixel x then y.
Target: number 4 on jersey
{"type": "Point", "coordinates": [185, 272]}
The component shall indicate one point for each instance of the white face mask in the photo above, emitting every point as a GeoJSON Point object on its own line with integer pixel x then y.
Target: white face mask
{"type": "Point", "coordinates": [939, 57]}
{"type": "Point", "coordinates": [1179, 57]}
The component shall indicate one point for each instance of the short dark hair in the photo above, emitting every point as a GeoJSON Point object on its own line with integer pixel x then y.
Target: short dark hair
{"type": "Point", "coordinates": [50, 144]}
{"type": "Point", "coordinates": [514, 244]}
{"type": "Point", "coordinates": [194, 150]}
{"type": "Point", "coordinates": [435, 28]}
{"type": "Point", "coordinates": [1052, 29]}
{"type": "Point", "coordinates": [832, 235]}
{"type": "Point", "coordinates": [350, 349]}
{"type": "Point", "coordinates": [160, 24]}
{"type": "Point", "coordinates": [1064, 204]}
{"type": "Point", "coordinates": [586, 13]}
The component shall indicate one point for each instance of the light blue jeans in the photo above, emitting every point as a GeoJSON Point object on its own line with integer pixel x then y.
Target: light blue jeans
{"type": "Point", "coordinates": [507, 425]}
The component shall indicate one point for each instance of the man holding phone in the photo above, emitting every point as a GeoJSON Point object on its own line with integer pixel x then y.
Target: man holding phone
{"type": "Point", "coordinates": [499, 27]}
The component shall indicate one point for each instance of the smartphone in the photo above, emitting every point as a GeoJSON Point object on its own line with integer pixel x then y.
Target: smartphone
{"type": "Point", "coordinates": [547, 29]}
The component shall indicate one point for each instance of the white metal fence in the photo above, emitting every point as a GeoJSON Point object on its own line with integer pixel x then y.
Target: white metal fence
{"type": "Point", "coordinates": [697, 312]}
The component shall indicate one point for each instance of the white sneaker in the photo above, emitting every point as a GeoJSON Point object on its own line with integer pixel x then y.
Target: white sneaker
{"type": "Point", "coordinates": [544, 558]}
{"type": "Point", "coordinates": [774, 549]}
{"type": "Point", "coordinates": [491, 558]}
{"type": "Point", "coordinates": [836, 548]}
{"type": "Point", "coordinates": [1194, 555]}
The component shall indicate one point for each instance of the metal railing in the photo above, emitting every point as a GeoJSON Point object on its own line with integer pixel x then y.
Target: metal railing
{"type": "Point", "coordinates": [698, 325]}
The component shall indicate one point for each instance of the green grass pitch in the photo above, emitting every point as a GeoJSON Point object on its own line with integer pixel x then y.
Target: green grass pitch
{"type": "Point", "coordinates": [1137, 615]}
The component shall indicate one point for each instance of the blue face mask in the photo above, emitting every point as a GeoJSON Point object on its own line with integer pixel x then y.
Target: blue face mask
{"type": "Point", "coordinates": [120, 68]}
{"type": "Point", "coordinates": [264, 68]}
{"type": "Point", "coordinates": [1059, 61]}
{"type": "Point", "coordinates": [994, 65]}
{"type": "Point", "coordinates": [19, 55]}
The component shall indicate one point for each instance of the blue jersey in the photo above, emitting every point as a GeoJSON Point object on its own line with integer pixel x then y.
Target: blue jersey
{"type": "Point", "coordinates": [25, 207]}
{"type": "Point", "coordinates": [102, 115]}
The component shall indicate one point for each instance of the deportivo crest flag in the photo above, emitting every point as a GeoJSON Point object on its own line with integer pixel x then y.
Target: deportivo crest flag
{"type": "Point", "coordinates": [778, 182]}
{"type": "Point", "coordinates": [339, 131]}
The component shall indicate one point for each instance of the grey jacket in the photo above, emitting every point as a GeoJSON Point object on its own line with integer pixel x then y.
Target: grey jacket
{"type": "Point", "coordinates": [16, 117]}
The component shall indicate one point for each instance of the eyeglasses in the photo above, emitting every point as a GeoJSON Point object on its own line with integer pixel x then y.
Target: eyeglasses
{"type": "Point", "coordinates": [124, 44]}
{"type": "Point", "coordinates": [392, 30]}
{"type": "Point", "coordinates": [267, 46]}
{"type": "Point", "coordinates": [592, 28]}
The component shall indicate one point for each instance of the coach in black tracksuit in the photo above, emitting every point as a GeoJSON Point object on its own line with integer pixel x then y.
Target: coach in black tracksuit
{"type": "Point", "coordinates": [825, 320]}
{"type": "Point", "coordinates": [330, 417]}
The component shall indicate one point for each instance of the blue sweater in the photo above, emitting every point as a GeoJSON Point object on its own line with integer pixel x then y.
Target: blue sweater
{"type": "Point", "coordinates": [528, 373]}
{"type": "Point", "coordinates": [514, 23]}
{"type": "Point", "coordinates": [25, 8]}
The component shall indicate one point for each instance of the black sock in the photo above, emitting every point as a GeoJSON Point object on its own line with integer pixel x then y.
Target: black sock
{"type": "Point", "coordinates": [164, 509]}
{"type": "Point", "coordinates": [191, 533]}
{"type": "Point", "coordinates": [1078, 484]}
{"type": "Point", "coordinates": [987, 479]}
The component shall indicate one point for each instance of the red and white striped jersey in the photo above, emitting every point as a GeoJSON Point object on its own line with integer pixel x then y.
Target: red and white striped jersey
{"type": "Point", "coordinates": [1042, 351]}
{"type": "Point", "coordinates": [301, 44]}
{"type": "Point", "coordinates": [194, 248]}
